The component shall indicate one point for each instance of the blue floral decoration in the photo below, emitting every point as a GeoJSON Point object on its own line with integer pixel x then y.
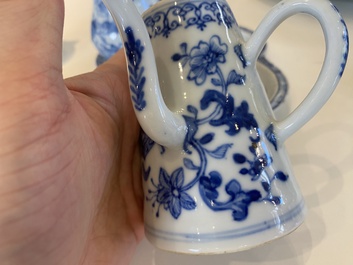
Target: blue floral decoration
{"type": "Point", "coordinates": [204, 59]}
{"type": "Point", "coordinates": [238, 49]}
{"type": "Point", "coordinates": [205, 62]}
{"type": "Point", "coordinates": [257, 168]}
{"type": "Point", "coordinates": [169, 193]}
{"type": "Point", "coordinates": [134, 50]}
{"type": "Point", "coordinates": [239, 200]}
{"type": "Point", "coordinates": [233, 117]}
{"type": "Point", "coordinates": [189, 14]}
{"type": "Point", "coordinates": [271, 136]}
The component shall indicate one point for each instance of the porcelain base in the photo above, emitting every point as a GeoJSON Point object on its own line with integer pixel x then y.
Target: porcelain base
{"type": "Point", "coordinates": [235, 240]}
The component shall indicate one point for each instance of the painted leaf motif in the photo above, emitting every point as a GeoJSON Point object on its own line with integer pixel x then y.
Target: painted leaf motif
{"type": "Point", "coordinates": [176, 57]}
{"type": "Point", "coordinates": [207, 138]}
{"type": "Point", "coordinates": [241, 203]}
{"type": "Point", "coordinates": [240, 212]}
{"type": "Point", "coordinates": [266, 186]}
{"type": "Point", "coordinates": [233, 187]}
{"type": "Point", "coordinates": [215, 178]}
{"type": "Point", "coordinates": [175, 207]}
{"type": "Point", "coordinates": [244, 171]}
{"type": "Point", "coordinates": [141, 83]}
{"type": "Point", "coordinates": [281, 176]}
{"type": "Point", "coordinates": [164, 197]}
{"type": "Point", "coordinates": [134, 51]}
{"type": "Point", "coordinates": [164, 178]}
{"type": "Point", "coordinates": [187, 202]}
{"type": "Point", "coordinates": [220, 152]}
{"type": "Point", "coordinates": [208, 187]}
{"type": "Point", "coordinates": [189, 164]}
{"type": "Point", "coordinates": [235, 118]}
{"type": "Point", "coordinates": [216, 82]}
{"type": "Point", "coordinates": [192, 109]}
{"type": "Point", "coordinates": [190, 135]}
{"type": "Point", "coordinates": [239, 158]}
{"type": "Point", "coordinates": [177, 178]}
{"type": "Point", "coordinates": [271, 136]}
{"type": "Point", "coordinates": [239, 52]}
{"type": "Point", "coordinates": [235, 78]}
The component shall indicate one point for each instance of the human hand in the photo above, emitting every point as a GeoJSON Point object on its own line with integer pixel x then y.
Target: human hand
{"type": "Point", "coordinates": [70, 190]}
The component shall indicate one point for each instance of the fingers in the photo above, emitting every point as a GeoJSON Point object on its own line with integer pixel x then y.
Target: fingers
{"type": "Point", "coordinates": [31, 39]}
{"type": "Point", "coordinates": [107, 84]}
{"type": "Point", "coordinates": [114, 73]}
{"type": "Point", "coordinates": [32, 91]}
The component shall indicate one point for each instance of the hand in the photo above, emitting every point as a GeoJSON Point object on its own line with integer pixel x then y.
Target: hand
{"type": "Point", "coordinates": [70, 190]}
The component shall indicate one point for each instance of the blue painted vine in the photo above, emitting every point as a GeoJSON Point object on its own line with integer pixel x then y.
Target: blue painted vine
{"type": "Point", "coordinates": [170, 191]}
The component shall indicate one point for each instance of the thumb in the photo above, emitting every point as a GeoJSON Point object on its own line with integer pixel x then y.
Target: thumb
{"type": "Point", "coordinates": [31, 39]}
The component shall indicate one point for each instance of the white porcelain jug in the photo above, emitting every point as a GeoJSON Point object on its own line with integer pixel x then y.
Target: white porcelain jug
{"type": "Point", "coordinates": [216, 176]}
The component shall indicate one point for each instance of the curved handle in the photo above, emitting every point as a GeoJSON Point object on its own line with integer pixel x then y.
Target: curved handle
{"type": "Point", "coordinates": [158, 122]}
{"type": "Point", "coordinates": [336, 38]}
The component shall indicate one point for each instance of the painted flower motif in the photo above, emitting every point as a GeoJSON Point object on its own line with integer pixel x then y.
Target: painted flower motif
{"type": "Point", "coordinates": [170, 194]}
{"type": "Point", "coordinates": [256, 166]}
{"type": "Point", "coordinates": [204, 59]}
{"type": "Point", "coordinates": [235, 117]}
{"type": "Point", "coordinates": [238, 202]}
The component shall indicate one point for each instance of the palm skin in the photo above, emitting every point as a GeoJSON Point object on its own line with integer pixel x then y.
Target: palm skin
{"type": "Point", "coordinates": [70, 190]}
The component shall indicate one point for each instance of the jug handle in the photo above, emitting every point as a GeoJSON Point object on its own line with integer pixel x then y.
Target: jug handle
{"type": "Point", "coordinates": [336, 38]}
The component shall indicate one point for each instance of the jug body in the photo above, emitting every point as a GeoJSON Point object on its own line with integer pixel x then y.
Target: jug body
{"type": "Point", "coordinates": [229, 186]}
{"type": "Point", "coordinates": [216, 176]}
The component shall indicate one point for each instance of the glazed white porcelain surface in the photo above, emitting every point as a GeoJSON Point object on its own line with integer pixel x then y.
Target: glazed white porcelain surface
{"type": "Point", "coordinates": [323, 173]}
{"type": "Point", "coordinates": [216, 176]}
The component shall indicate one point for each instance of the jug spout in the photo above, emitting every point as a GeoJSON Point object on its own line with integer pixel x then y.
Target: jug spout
{"type": "Point", "coordinates": [158, 122]}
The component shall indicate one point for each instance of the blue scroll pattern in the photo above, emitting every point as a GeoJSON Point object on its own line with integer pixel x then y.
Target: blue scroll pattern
{"type": "Point", "coordinates": [189, 14]}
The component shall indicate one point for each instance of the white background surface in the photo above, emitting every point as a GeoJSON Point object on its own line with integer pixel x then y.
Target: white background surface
{"type": "Point", "coordinates": [321, 152]}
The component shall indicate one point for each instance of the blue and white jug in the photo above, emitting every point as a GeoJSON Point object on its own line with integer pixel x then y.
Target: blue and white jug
{"type": "Point", "coordinates": [216, 175]}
